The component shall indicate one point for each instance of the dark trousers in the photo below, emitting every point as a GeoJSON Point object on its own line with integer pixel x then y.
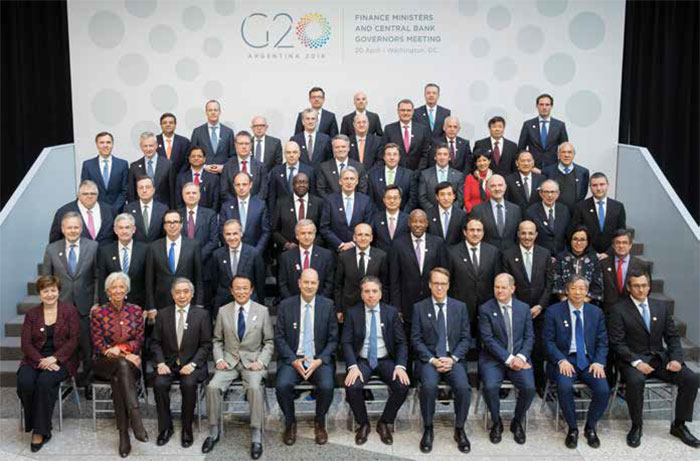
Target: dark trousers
{"type": "Point", "coordinates": [85, 349]}
{"type": "Point", "coordinates": [411, 356]}
{"type": "Point", "coordinates": [188, 389]}
{"type": "Point", "coordinates": [38, 391]}
{"type": "Point", "coordinates": [492, 375]}
{"type": "Point", "coordinates": [397, 391]}
{"type": "Point", "coordinates": [686, 380]}
{"type": "Point", "coordinates": [600, 391]}
{"type": "Point", "coordinates": [122, 376]}
{"type": "Point", "coordinates": [457, 380]}
{"type": "Point", "coordinates": [322, 379]}
{"type": "Point", "coordinates": [538, 353]}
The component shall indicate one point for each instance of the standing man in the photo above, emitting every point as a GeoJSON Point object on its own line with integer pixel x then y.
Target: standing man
{"type": "Point", "coordinates": [446, 220]}
{"type": "Point", "coordinates": [616, 268]}
{"type": "Point", "coordinates": [111, 174]}
{"type": "Point", "coordinates": [243, 162]}
{"type": "Point", "coordinates": [196, 173]}
{"type": "Point", "coordinates": [390, 223]}
{"type": "Point", "coordinates": [550, 217]}
{"type": "Point", "coordinates": [542, 134]}
{"type": "Point", "coordinates": [147, 212]}
{"type": "Point", "coordinates": [571, 177]}
{"type": "Point", "coordinates": [390, 173]}
{"type": "Point", "coordinates": [266, 149]}
{"type": "Point", "coordinates": [214, 137]}
{"type": "Point", "coordinates": [374, 125]}
{"type": "Point", "coordinates": [315, 145]}
{"type": "Point", "coordinates": [440, 171]}
{"type": "Point", "coordinates": [412, 138]}
{"type": "Point", "coordinates": [365, 146]}
{"type": "Point", "coordinates": [430, 114]}
{"type": "Point", "coordinates": [152, 165]}
{"type": "Point", "coordinates": [292, 209]}
{"type": "Point", "coordinates": [523, 184]}
{"type": "Point", "coordinates": [306, 255]}
{"type": "Point", "coordinates": [97, 216]}
{"type": "Point", "coordinates": [327, 123]}
{"type": "Point", "coordinates": [458, 149]}
{"type": "Point", "coordinates": [281, 177]}
{"type": "Point", "coordinates": [327, 182]}
{"type": "Point", "coordinates": [499, 216]}
{"type": "Point", "coordinates": [250, 211]}
{"type": "Point", "coordinates": [175, 148]}
{"type": "Point", "coordinates": [503, 151]}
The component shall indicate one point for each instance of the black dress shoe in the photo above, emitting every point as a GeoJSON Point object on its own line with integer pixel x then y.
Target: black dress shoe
{"type": "Point", "coordinates": [164, 437]}
{"type": "Point", "coordinates": [361, 434]}
{"type": "Point", "coordinates": [426, 442]}
{"type": "Point", "coordinates": [681, 431]}
{"type": "Point", "coordinates": [208, 444]}
{"type": "Point", "coordinates": [255, 450]}
{"type": "Point", "coordinates": [462, 441]}
{"type": "Point", "coordinates": [186, 438]}
{"type": "Point", "coordinates": [518, 432]}
{"type": "Point", "coordinates": [591, 437]}
{"type": "Point", "coordinates": [34, 447]}
{"type": "Point", "coordinates": [496, 431]}
{"type": "Point", "coordinates": [634, 436]}
{"type": "Point", "coordinates": [384, 433]}
{"type": "Point", "coordinates": [290, 434]}
{"type": "Point", "coordinates": [571, 439]}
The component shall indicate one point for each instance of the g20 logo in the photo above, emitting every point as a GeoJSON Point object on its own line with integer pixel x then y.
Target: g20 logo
{"type": "Point", "coordinates": [313, 30]}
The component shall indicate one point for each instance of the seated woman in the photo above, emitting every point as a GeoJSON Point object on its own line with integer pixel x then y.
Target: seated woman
{"type": "Point", "coordinates": [50, 336]}
{"type": "Point", "coordinates": [117, 337]}
{"type": "Point", "coordinates": [475, 190]}
{"type": "Point", "coordinates": [579, 259]}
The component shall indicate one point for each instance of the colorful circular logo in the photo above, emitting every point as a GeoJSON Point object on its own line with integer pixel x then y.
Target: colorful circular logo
{"type": "Point", "coordinates": [313, 30]}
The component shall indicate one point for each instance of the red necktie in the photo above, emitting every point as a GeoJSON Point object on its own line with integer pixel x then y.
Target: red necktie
{"type": "Point", "coordinates": [302, 214]}
{"type": "Point", "coordinates": [406, 138]}
{"type": "Point", "coordinates": [190, 225]}
{"type": "Point", "coordinates": [245, 168]}
{"type": "Point", "coordinates": [620, 282]}
{"type": "Point", "coordinates": [306, 259]}
{"type": "Point", "coordinates": [196, 179]}
{"type": "Point", "coordinates": [496, 153]}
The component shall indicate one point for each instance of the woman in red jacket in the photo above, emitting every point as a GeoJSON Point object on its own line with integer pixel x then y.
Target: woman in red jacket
{"type": "Point", "coordinates": [49, 340]}
{"type": "Point", "coordinates": [475, 190]}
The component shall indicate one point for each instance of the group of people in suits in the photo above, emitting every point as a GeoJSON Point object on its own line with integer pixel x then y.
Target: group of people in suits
{"type": "Point", "coordinates": [397, 248]}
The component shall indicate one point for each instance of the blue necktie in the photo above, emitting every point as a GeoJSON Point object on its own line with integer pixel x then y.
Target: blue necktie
{"type": "Point", "coordinates": [241, 324]}
{"type": "Point", "coordinates": [646, 315]}
{"type": "Point", "coordinates": [601, 215]}
{"type": "Point", "coordinates": [214, 138]}
{"type": "Point", "coordinates": [431, 117]}
{"type": "Point", "coordinates": [581, 360]}
{"type": "Point", "coordinates": [105, 172]}
{"type": "Point", "coordinates": [243, 214]}
{"type": "Point", "coordinates": [567, 169]}
{"type": "Point", "coordinates": [125, 261]}
{"type": "Point", "coordinates": [290, 178]}
{"type": "Point", "coordinates": [149, 168]}
{"type": "Point", "coordinates": [308, 335]}
{"type": "Point", "coordinates": [543, 134]}
{"type": "Point", "coordinates": [373, 346]}
{"type": "Point", "coordinates": [258, 150]}
{"type": "Point", "coordinates": [348, 210]}
{"type": "Point", "coordinates": [171, 257]}
{"type": "Point", "coordinates": [441, 347]}
{"type": "Point", "coordinates": [72, 260]}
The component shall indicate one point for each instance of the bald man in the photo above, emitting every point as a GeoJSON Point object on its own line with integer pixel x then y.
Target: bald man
{"type": "Point", "coordinates": [359, 100]}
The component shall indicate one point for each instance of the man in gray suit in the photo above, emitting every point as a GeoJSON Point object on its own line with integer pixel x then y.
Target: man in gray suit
{"type": "Point", "coordinates": [442, 171]}
{"type": "Point", "coordinates": [73, 260]}
{"type": "Point", "coordinates": [243, 345]}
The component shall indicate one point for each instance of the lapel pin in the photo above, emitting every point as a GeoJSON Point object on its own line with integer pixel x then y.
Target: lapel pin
{"type": "Point", "coordinates": [382, 223]}
{"type": "Point", "coordinates": [160, 145]}
{"type": "Point", "coordinates": [224, 262]}
{"type": "Point", "coordinates": [609, 269]}
{"type": "Point", "coordinates": [534, 126]}
{"type": "Point", "coordinates": [465, 260]}
{"type": "Point", "coordinates": [114, 258]}
{"type": "Point", "coordinates": [352, 145]}
{"type": "Point", "coordinates": [41, 329]}
{"type": "Point", "coordinates": [60, 254]}
{"type": "Point", "coordinates": [566, 324]}
{"type": "Point", "coordinates": [429, 316]}
{"type": "Point", "coordinates": [255, 317]}
{"type": "Point", "coordinates": [133, 211]}
{"type": "Point", "coordinates": [232, 207]}
{"type": "Point", "coordinates": [545, 223]}
{"type": "Point", "coordinates": [294, 325]}
{"type": "Point", "coordinates": [298, 267]}
{"type": "Point", "coordinates": [517, 183]}
{"type": "Point", "coordinates": [186, 325]}
{"type": "Point", "coordinates": [121, 323]}
{"type": "Point", "coordinates": [381, 179]}
{"type": "Point", "coordinates": [516, 260]}
{"type": "Point", "coordinates": [576, 179]}
{"type": "Point", "coordinates": [340, 209]}
{"type": "Point", "coordinates": [434, 219]}
{"type": "Point", "coordinates": [382, 325]}
{"type": "Point", "coordinates": [654, 319]}
{"type": "Point", "coordinates": [591, 210]}
{"type": "Point", "coordinates": [292, 210]}
{"type": "Point", "coordinates": [495, 314]}
{"type": "Point", "coordinates": [140, 166]}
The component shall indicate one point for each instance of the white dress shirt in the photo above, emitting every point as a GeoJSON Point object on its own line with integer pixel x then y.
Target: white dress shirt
{"type": "Point", "coordinates": [423, 242]}
{"type": "Point", "coordinates": [305, 199]}
{"type": "Point", "coordinates": [546, 210]}
{"type": "Point", "coordinates": [261, 141]}
{"type": "Point", "coordinates": [572, 316]}
{"type": "Point", "coordinates": [381, 345]}
{"type": "Point", "coordinates": [503, 313]}
{"type": "Point", "coordinates": [76, 249]}
{"type": "Point", "coordinates": [246, 311]}
{"type": "Point", "coordinates": [129, 250]}
{"type": "Point", "coordinates": [177, 315]}
{"type": "Point", "coordinates": [178, 247]}
{"type": "Point", "coordinates": [641, 315]}
{"type": "Point", "coordinates": [302, 320]}
{"type": "Point", "coordinates": [301, 255]}
{"type": "Point", "coordinates": [499, 142]}
{"type": "Point", "coordinates": [96, 216]}
{"type": "Point", "coordinates": [436, 310]}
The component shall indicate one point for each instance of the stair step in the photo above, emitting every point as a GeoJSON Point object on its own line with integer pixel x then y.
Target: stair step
{"type": "Point", "coordinates": [10, 348]}
{"type": "Point", "coordinates": [637, 249]}
{"type": "Point", "coordinates": [663, 300]}
{"type": "Point", "coordinates": [31, 288]}
{"type": "Point", "coordinates": [13, 328]}
{"type": "Point", "coordinates": [8, 373]}
{"type": "Point", "coordinates": [691, 352]}
{"type": "Point", "coordinates": [682, 328]}
{"type": "Point", "coordinates": [27, 303]}
{"type": "Point", "coordinates": [657, 285]}
{"type": "Point", "coordinates": [649, 263]}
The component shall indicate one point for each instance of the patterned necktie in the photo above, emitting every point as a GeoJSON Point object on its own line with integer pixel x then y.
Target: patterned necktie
{"type": "Point", "coordinates": [373, 341]}
{"type": "Point", "coordinates": [310, 147]}
{"type": "Point", "coordinates": [361, 265]}
{"type": "Point", "coordinates": [125, 260]}
{"type": "Point", "coordinates": [348, 210]}
{"type": "Point", "coordinates": [620, 278]}
{"type": "Point", "coordinates": [196, 178]}
{"type": "Point", "coordinates": [646, 315]}
{"type": "Point", "coordinates": [72, 260]}
{"type": "Point", "coordinates": [543, 134]}
{"type": "Point", "coordinates": [496, 153]}
{"type": "Point", "coordinates": [308, 334]}
{"type": "Point", "coordinates": [581, 360]}
{"type": "Point", "coordinates": [452, 151]}
{"type": "Point", "coordinates": [180, 325]}
{"type": "Point", "coordinates": [258, 150]}
{"type": "Point", "coordinates": [243, 212]}
{"type": "Point", "coordinates": [149, 168]}
{"type": "Point", "coordinates": [171, 257]}
{"type": "Point", "coordinates": [601, 215]}
{"type": "Point", "coordinates": [550, 216]}
{"type": "Point", "coordinates": [91, 224]}
{"type": "Point", "coordinates": [441, 346]}
{"type": "Point", "coordinates": [342, 167]}
{"type": "Point", "coordinates": [241, 323]}
{"type": "Point", "coordinates": [509, 328]}
{"type": "Point", "coordinates": [500, 220]}
{"type": "Point", "coordinates": [214, 138]}
{"type": "Point", "coordinates": [244, 169]}
{"type": "Point", "coordinates": [302, 212]}
{"type": "Point", "coordinates": [392, 227]}
{"type": "Point", "coordinates": [406, 138]}
{"type": "Point", "coordinates": [190, 225]}
{"type": "Point", "coordinates": [528, 265]}
{"type": "Point", "coordinates": [168, 148]}
{"type": "Point", "coordinates": [105, 172]}
{"type": "Point", "coordinates": [306, 263]}
{"type": "Point", "coordinates": [567, 170]}
{"type": "Point", "coordinates": [361, 149]}
{"type": "Point", "coordinates": [234, 262]}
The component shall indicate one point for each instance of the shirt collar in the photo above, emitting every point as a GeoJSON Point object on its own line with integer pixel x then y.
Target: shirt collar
{"type": "Point", "coordinates": [524, 250]}
{"type": "Point", "coordinates": [494, 202]}
{"type": "Point", "coordinates": [176, 242]}
{"type": "Point", "coordinates": [310, 250]}
{"type": "Point", "coordinates": [562, 167]}
{"type": "Point", "coordinates": [187, 211]}
{"type": "Point", "coordinates": [243, 199]}
{"type": "Point", "coordinates": [422, 238]}
{"type": "Point", "coordinates": [469, 246]}
{"type": "Point", "coordinates": [129, 246]}
{"type": "Point", "coordinates": [304, 197]}
{"type": "Point", "coordinates": [186, 308]}
{"type": "Point", "coordinates": [369, 309]}
{"type": "Point", "coordinates": [626, 259]}
{"type": "Point", "coordinates": [540, 119]}
{"type": "Point", "coordinates": [637, 303]}
{"type": "Point", "coordinates": [604, 200]}
{"type": "Point", "coordinates": [502, 305]}
{"type": "Point", "coordinates": [76, 243]}
{"type": "Point", "coordinates": [357, 251]}
{"type": "Point", "coordinates": [143, 204]}
{"type": "Point", "coordinates": [246, 307]}
{"type": "Point", "coordinates": [83, 208]}
{"type": "Point", "coordinates": [239, 248]}
{"type": "Point", "coordinates": [345, 197]}
{"type": "Point", "coordinates": [494, 140]}
{"type": "Point", "coordinates": [395, 215]}
{"type": "Point", "coordinates": [210, 126]}
{"type": "Point", "coordinates": [572, 309]}
{"type": "Point", "coordinates": [172, 138]}
{"type": "Point", "coordinates": [311, 303]}
{"type": "Point", "coordinates": [435, 301]}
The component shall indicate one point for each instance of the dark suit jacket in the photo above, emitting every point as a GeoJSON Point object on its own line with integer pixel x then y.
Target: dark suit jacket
{"type": "Point", "coordinates": [196, 340]}
{"type": "Point", "coordinates": [179, 162]}
{"type": "Point", "coordinates": [492, 330]}
{"type": "Point", "coordinates": [530, 140]}
{"type": "Point", "coordinates": [404, 178]}
{"type": "Point", "coordinates": [463, 153]}
{"type": "Point", "coordinates": [348, 276]}
{"type": "Point", "coordinates": [355, 331]}
{"type": "Point", "coordinates": [334, 226]}
{"type": "Point", "coordinates": [208, 189]}
{"type": "Point", "coordinates": [159, 277]}
{"type": "Point", "coordinates": [272, 155]}
{"type": "Point", "coordinates": [512, 216]}
{"type": "Point", "coordinates": [374, 150]}
{"type": "Point", "coordinates": [321, 259]}
{"type": "Point", "coordinates": [558, 333]}
{"type": "Point", "coordinates": [224, 148]}
{"type": "Point", "coordinates": [586, 213]}
{"type": "Point", "coordinates": [105, 233]}
{"type": "Point", "coordinates": [375, 125]}
{"type": "Point", "coordinates": [284, 220]}
{"type": "Point", "coordinates": [328, 124]}
{"type": "Point", "coordinates": [428, 179]}
{"type": "Point", "coordinates": [537, 290]}
{"type": "Point", "coordinates": [278, 186]}
{"type": "Point", "coordinates": [232, 168]}
{"type": "Point", "coordinates": [417, 156]}
{"type": "Point", "coordinates": [250, 263]}
{"type": "Point", "coordinates": [328, 177]}
{"type": "Point", "coordinates": [322, 149]}
{"type": "Point", "coordinates": [611, 290]}
{"type": "Point", "coordinates": [581, 175]}
{"type": "Point", "coordinates": [458, 220]}
{"type": "Point", "coordinates": [155, 225]}
{"type": "Point", "coordinates": [257, 225]}
{"type": "Point", "coordinates": [380, 229]}
{"type": "Point", "coordinates": [552, 238]}
{"type": "Point", "coordinates": [109, 260]}
{"type": "Point", "coordinates": [206, 229]}
{"type": "Point", "coordinates": [114, 193]}
{"type": "Point", "coordinates": [424, 329]}
{"type": "Point", "coordinates": [420, 115]}
{"type": "Point", "coordinates": [288, 329]}
{"type": "Point", "coordinates": [515, 191]}
{"type": "Point", "coordinates": [161, 179]}
{"type": "Point", "coordinates": [506, 164]}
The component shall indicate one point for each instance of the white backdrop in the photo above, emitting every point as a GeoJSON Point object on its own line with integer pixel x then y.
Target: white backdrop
{"type": "Point", "coordinates": [133, 60]}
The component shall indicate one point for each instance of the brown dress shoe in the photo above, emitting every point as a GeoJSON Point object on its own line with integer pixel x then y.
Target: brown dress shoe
{"type": "Point", "coordinates": [320, 434]}
{"type": "Point", "coordinates": [290, 434]}
{"type": "Point", "coordinates": [361, 434]}
{"type": "Point", "coordinates": [384, 433]}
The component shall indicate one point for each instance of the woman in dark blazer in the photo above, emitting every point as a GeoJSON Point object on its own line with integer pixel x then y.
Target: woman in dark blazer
{"type": "Point", "coordinates": [117, 336]}
{"type": "Point", "coordinates": [49, 340]}
{"type": "Point", "coordinates": [579, 259]}
{"type": "Point", "coordinates": [475, 190]}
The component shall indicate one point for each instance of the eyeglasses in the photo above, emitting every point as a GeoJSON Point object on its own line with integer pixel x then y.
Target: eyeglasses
{"type": "Point", "coordinates": [549, 192]}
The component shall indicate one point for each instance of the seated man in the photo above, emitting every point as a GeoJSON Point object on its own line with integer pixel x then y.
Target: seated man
{"type": "Point", "coordinates": [305, 343]}
{"type": "Point", "coordinates": [304, 256]}
{"type": "Point", "coordinates": [641, 354]}
{"type": "Point", "coordinates": [374, 343]}
{"type": "Point", "coordinates": [507, 339]}
{"type": "Point", "coordinates": [577, 346]}
{"type": "Point", "coordinates": [441, 346]}
{"type": "Point", "coordinates": [240, 355]}
{"type": "Point", "coordinates": [180, 346]}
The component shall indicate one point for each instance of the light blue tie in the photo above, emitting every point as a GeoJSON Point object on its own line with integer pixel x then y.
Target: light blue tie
{"type": "Point", "coordinates": [72, 260]}
{"type": "Point", "coordinates": [105, 172]}
{"type": "Point", "coordinates": [244, 214]}
{"type": "Point", "coordinates": [214, 138]}
{"type": "Point", "coordinates": [646, 315]}
{"type": "Point", "coordinates": [373, 341]}
{"type": "Point", "coordinates": [308, 334]}
{"type": "Point", "coordinates": [171, 257]}
{"type": "Point", "coordinates": [431, 117]}
{"type": "Point", "coordinates": [125, 261]}
{"type": "Point", "coordinates": [543, 133]}
{"type": "Point", "coordinates": [443, 175]}
{"type": "Point", "coordinates": [601, 215]}
{"type": "Point", "coordinates": [445, 223]}
{"type": "Point", "coordinates": [149, 168]}
{"type": "Point", "coordinates": [348, 210]}
{"type": "Point", "coordinates": [581, 360]}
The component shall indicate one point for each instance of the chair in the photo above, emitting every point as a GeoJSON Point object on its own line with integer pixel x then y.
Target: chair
{"type": "Point", "coordinates": [550, 392]}
{"type": "Point", "coordinates": [375, 406]}
{"type": "Point", "coordinates": [446, 408]}
{"type": "Point", "coordinates": [65, 389]}
{"type": "Point", "coordinates": [108, 407]}
{"type": "Point", "coordinates": [229, 404]}
{"type": "Point", "coordinates": [511, 400]}
{"type": "Point", "coordinates": [655, 391]}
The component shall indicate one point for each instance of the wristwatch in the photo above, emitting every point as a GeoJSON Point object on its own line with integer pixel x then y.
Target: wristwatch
{"type": "Point", "coordinates": [194, 365]}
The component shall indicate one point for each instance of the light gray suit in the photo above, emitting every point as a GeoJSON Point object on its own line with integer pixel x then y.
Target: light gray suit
{"type": "Point", "coordinates": [257, 345]}
{"type": "Point", "coordinates": [426, 187]}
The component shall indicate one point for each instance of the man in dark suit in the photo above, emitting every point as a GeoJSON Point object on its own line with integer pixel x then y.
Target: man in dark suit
{"type": "Point", "coordinates": [523, 184]}
{"type": "Point", "coordinates": [250, 211]}
{"type": "Point", "coordinates": [306, 254]}
{"type": "Point", "coordinates": [315, 145]}
{"type": "Point", "coordinates": [353, 266]}
{"type": "Point", "coordinates": [439, 171]}
{"type": "Point", "coordinates": [412, 138]}
{"type": "Point", "coordinates": [97, 217]}
{"type": "Point", "coordinates": [306, 337]}
{"type": "Point", "coordinates": [180, 346]}
{"type": "Point", "coordinates": [543, 134]}
{"type": "Point", "coordinates": [327, 123]}
{"type": "Point", "coordinates": [365, 147]}
{"type": "Point", "coordinates": [638, 328]}
{"type": "Point", "coordinates": [440, 337]}
{"type": "Point", "coordinates": [505, 327]}
{"type": "Point", "coordinates": [532, 268]}
{"type": "Point", "coordinates": [152, 165]}
{"type": "Point", "coordinates": [169, 258]}
{"type": "Point", "coordinates": [601, 215]}
{"type": "Point", "coordinates": [391, 173]}
{"type": "Point", "coordinates": [328, 173]}
{"type": "Point", "coordinates": [214, 137]}
{"type": "Point", "coordinates": [290, 210]}
{"type": "Point", "coordinates": [458, 149]}
{"type": "Point", "coordinates": [281, 177]}
{"type": "Point", "coordinates": [446, 220]}
{"type": "Point", "coordinates": [266, 149]}
{"type": "Point", "coordinates": [175, 148]}
{"type": "Point", "coordinates": [577, 346]}
{"type": "Point", "coordinates": [147, 212]}
{"type": "Point", "coordinates": [390, 223]}
{"type": "Point", "coordinates": [243, 162]}
{"type": "Point", "coordinates": [196, 173]}
{"type": "Point", "coordinates": [111, 174]}
{"type": "Point", "coordinates": [374, 125]}
{"type": "Point", "coordinates": [430, 114]}
{"type": "Point", "coordinates": [343, 210]}
{"type": "Point", "coordinates": [551, 218]}
{"type": "Point", "coordinates": [499, 216]}
{"type": "Point", "coordinates": [374, 343]}
{"type": "Point", "coordinates": [571, 177]}
{"type": "Point", "coordinates": [616, 268]}
{"type": "Point", "coordinates": [503, 151]}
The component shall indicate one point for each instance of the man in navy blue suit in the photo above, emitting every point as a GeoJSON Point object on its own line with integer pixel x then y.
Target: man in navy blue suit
{"type": "Point", "coordinates": [97, 216]}
{"type": "Point", "coordinates": [196, 173]}
{"type": "Point", "coordinates": [214, 137]}
{"type": "Point", "coordinates": [551, 218]}
{"type": "Point", "coordinates": [343, 210]}
{"type": "Point", "coordinates": [542, 134]}
{"type": "Point", "coordinates": [281, 177]}
{"type": "Point", "coordinates": [577, 346]}
{"type": "Point", "coordinates": [499, 216]}
{"type": "Point", "coordinates": [458, 148]}
{"type": "Point", "coordinates": [390, 173]}
{"type": "Point", "coordinates": [374, 343]}
{"type": "Point", "coordinates": [250, 211]}
{"type": "Point", "coordinates": [446, 220]}
{"type": "Point", "coordinates": [147, 212]}
{"type": "Point", "coordinates": [152, 165]}
{"type": "Point", "coordinates": [430, 114]}
{"type": "Point", "coordinates": [440, 337]}
{"type": "Point", "coordinates": [507, 338]}
{"type": "Point", "coordinates": [243, 161]}
{"type": "Point", "coordinates": [327, 124]}
{"type": "Point", "coordinates": [111, 174]}
{"type": "Point", "coordinates": [412, 138]}
{"type": "Point", "coordinates": [176, 149]}
{"type": "Point", "coordinates": [390, 223]}
{"type": "Point", "coordinates": [327, 173]}
{"type": "Point", "coordinates": [315, 145]}
{"type": "Point", "coordinates": [306, 337]}
{"type": "Point", "coordinates": [571, 177]}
